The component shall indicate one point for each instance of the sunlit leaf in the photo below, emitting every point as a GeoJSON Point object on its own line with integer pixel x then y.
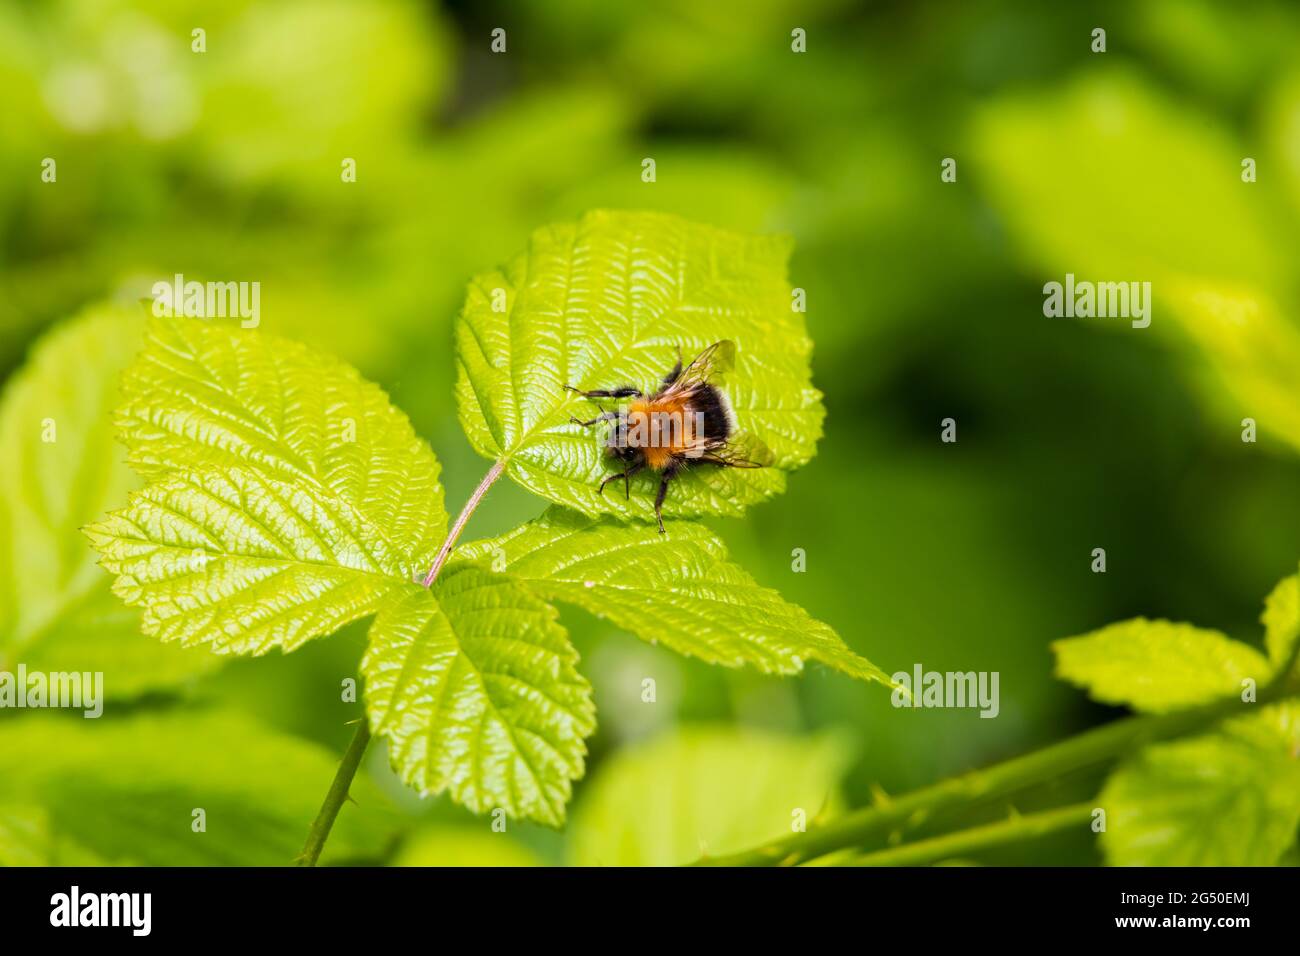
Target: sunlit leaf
{"type": "Point", "coordinates": [677, 589]}
{"type": "Point", "coordinates": [1169, 178]}
{"type": "Point", "coordinates": [1281, 620]}
{"type": "Point", "coordinates": [703, 791]}
{"type": "Point", "coordinates": [127, 789]}
{"type": "Point", "coordinates": [1158, 666]}
{"type": "Point", "coordinates": [463, 846]}
{"type": "Point", "coordinates": [1187, 224]}
{"type": "Point", "coordinates": [59, 467]}
{"type": "Point", "coordinates": [1225, 799]}
{"type": "Point", "coordinates": [290, 496]}
{"type": "Point", "coordinates": [1252, 348]}
{"type": "Point", "coordinates": [273, 105]}
{"type": "Point", "coordinates": [213, 393]}
{"type": "Point", "coordinates": [609, 301]}
{"type": "Point", "coordinates": [26, 840]}
{"type": "Point", "coordinates": [476, 687]}
{"type": "Point", "coordinates": [244, 562]}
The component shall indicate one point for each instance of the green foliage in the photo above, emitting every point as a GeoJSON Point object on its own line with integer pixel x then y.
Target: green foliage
{"type": "Point", "coordinates": [1215, 260]}
{"type": "Point", "coordinates": [1158, 666]}
{"type": "Point", "coordinates": [209, 393]}
{"type": "Point", "coordinates": [923, 301]}
{"type": "Point", "coordinates": [703, 791]}
{"type": "Point", "coordinates": [677, 589]}
{"type": "Point", "coordinates": [607, 301]}
{"type": "Point", "coordinates": [373, 68]}
{"type": "Point", "coordinates": [1227, 798]}
{"type": "Point", "coordinates": [1281, 620]}
{"type": "Point", "coordinates": [1230, 798]}
{"type": "Point", "coordinates": [462, 846]}
{"type": "Point", "coordinates": [125, 789]}
{"type": "Point", "coordinates": [288, 497]}
{"type": "Point", "coordinates": [475, 685]}
{"type": "Point", "coordinates": [24, 836]}
{"type": "Point", "coordinates": [239, 103]}
{"type": "Point", "coordinates": [245, 562]}
{"type": "Point", "coordinates": [26, 839]}
{"type": "Point", "coordinates": [59, 467]}
{"type": "Point", "coordinates": [1146, 154]}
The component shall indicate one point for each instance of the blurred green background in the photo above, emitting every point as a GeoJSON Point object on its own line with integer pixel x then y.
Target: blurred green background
{"type": "Point", "coordinates": [924, 300]}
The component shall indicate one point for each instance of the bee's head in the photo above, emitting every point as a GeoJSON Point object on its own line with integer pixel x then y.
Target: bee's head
{"type": "Point", "coordinates": [622, 452]}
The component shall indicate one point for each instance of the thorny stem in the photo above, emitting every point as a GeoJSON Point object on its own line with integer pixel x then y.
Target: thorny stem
{"type": "Point", "coordinates": [338, 791]}
{"type": "Point", "coordinates": [863, 827]}
{"type": "Point", "coordinates": [975, 839]}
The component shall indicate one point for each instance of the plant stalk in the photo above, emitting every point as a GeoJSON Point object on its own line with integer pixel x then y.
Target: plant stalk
{"type": "Point", "coordinates": [975, 839]}
{"type": "Point", "coordinates": [1090, 748]}
{"type": "Point", "coordinates": [461, 519]}
{"type": "Point", "coordinates": [338, 791]}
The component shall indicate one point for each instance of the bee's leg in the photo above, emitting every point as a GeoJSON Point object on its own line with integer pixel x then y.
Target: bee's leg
{"type": "Point", "coordinates": [604, 416]}
{"type": "Point", "coordinates": [625, 475]}
{"type": "Point", "coordinates": [669, 473]}
{"type": "Point", "coordinates": [626, 391]}
{"type": "Point", "coordinates": [627, 480]}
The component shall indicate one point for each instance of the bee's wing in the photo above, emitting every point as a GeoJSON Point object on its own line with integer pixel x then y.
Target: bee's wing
{"type": "Point", "coordinates": [746, 452]}
{"type": "Point", "coordinates": [711, 364]}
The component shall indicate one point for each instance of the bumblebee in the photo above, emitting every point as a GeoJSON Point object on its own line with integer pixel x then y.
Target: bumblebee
{"type": "Point", "coordinates": [687, 420]}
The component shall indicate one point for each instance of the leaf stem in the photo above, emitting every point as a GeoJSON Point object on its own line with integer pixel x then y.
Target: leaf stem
{"type": "Point", "coordinates": [461, 519]}
{"type": "Point", "coordinates": [975, 839]}
{"type": "Point", "coordinates": [1090, 748]}
{"type": "Point", "coordinates": [338, 792]}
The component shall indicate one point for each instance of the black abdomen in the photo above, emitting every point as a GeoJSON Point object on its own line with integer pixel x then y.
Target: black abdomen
{"type": "Point", "coordinates": [717, 415]}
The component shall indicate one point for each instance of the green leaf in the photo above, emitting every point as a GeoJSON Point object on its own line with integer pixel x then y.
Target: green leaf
{"type": "Point", "coordinates": [1214, 255]}
{"type": "Point", "coordinates": [677, 589]}
{"type": "Point", "coordinates": [1146, 155]}
{"type": "Point", "coordinates": [703, 791]}
{"type": "Point", "coordinates": [290, 498]}
{"type": "Point", "coordinates": [229, 557]}
{"type": "Point", "coordinates": [26, 840]}
{"type": "Point", "coordinates": [59, 468]}
{"type": "Point", "coordinates": [262, 114]}
{"type": "Point", "coordinates": [608, 301]}
{"type": "Point", "coordinates": [210, 393]}
{"type": "Point", "coordinates": [476, 687]}
{"type": "Point", "coordinates": [1281, 620]}
{"type": "Point", "coordinates": [1248, 339]}
{"type": "Point", "coordinates": [24, 836]}
{"type": "Point", "coordinates": [1158, 666]}
{"type": "Point", "coordinates": [449, 845]}
{"type": "Point", "coordinates": [1226, 799]}
{"type": "Point", "coordinates": [289, 495]}
{"type": "Point", "coordinates": [126, 789]}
